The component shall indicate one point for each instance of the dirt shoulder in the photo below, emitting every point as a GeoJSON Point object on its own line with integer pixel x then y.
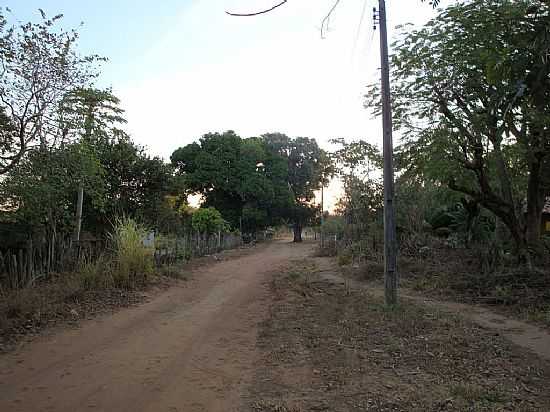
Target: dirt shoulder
{"type": "Point", "coordinates": [330, 346]}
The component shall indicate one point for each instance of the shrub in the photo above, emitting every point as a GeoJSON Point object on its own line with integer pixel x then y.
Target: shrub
{"type": "Point", "coordinates": [208, 220]}
{"type": "Point", "coordinates": [133, 261]}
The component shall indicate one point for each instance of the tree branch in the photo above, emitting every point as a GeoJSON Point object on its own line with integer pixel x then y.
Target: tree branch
{"type": "Point", "coordinates": [258, 12]}
{"type": "Point", "coordinates": [326, 20]}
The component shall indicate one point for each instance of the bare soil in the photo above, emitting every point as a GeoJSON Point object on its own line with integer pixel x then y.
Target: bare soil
{"type": "Point", "coordinates": [331, 345]}
{"type": "Point", "coordinates": [190, 348]}
{"type": "Point", "coordinates": [273, 329]}
{"type": "Point", "coordinates": [462, 275]}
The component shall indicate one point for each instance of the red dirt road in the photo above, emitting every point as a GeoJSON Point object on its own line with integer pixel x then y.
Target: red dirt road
{"type": "Point", "coordinates": [189, 349]}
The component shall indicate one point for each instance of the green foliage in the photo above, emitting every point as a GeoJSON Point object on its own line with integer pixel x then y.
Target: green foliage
{"type": "Point", "coordinates": [255, 182]}
{"type": "Point", "coordinates": [471, 95]}
{"type": "Point", "coordinates": [98, 274]}
{"type": "Point", "coordinates": [174, 215]}
{"type": "Point", "coordinates": [356, 158]}
{"type": "Point", "coordinates": [90, 113]}
{"type": "Point", "coordinates": [467, 221]}
{"type": "Point", "coordinates": [133, 261]}
{"type": "Point", "coordinates": [333, 225]}
{"type": "Point", "coordinates": [208, 221]}
{"type": "Point", "coordinates": [42, 189]}
{"type": "Point", "coordinates": [239, 177]}
{"type": "Point", "coordinates": [135, 183]}
{"type": "Point", "coordinates": [308, 165]}
{"type": "Point", "coordinates": [358, 165]}
{"type": "Point", "coordinates": [308, 169]}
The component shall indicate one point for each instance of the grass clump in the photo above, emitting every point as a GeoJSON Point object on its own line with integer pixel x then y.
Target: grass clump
{"type": "Point", "coordinates": [97, 274]}
{"type": "Point", "coordinates": [133, 262]}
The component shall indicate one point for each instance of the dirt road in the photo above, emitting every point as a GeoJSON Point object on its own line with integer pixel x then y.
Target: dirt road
{"type": "Point", "coordinates": [189, 349]}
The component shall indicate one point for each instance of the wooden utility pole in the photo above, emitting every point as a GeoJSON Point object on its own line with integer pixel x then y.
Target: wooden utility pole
{"type": "Point", "coordinates": [79, 212]}
{"type": "Point", "coordinates": [322, 215]}
{"type": "Point", "coordinates": [390, 238]}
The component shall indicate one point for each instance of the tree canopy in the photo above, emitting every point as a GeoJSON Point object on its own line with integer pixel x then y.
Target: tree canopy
{"type": "Point", "coordinates": [470, 95]}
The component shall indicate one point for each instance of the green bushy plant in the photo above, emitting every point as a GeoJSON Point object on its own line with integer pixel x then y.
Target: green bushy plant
{"type": "Point", "coordinates": [132, 261]}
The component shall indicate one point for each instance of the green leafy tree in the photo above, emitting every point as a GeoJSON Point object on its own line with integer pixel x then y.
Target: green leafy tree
{"type": "Point", "coordinates": [40, 192]}
{"type": "Point", "coordinates": [89, 113]}
{"type": "Point", "coordinates": [135, 183]}
{"type": "Point", "coordinates": [239, 177]}
{"type": "Point", "coordinates": [308, 168]}
{"type": "Point", "coordinates": [357, 164]}
{"type": "Point", "coordinates": [471, 97]}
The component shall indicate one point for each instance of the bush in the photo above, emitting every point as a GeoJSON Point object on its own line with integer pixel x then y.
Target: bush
{"type": "Point", "coordinates": [208, 220]}
{"type": "Point", "coordinates": [133, 262]}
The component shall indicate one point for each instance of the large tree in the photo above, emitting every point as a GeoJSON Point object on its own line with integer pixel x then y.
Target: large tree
{"type": "Point", "coordinates": [471, 95]}
{"type": "Point", "coordinates": [308, 168]}
{"type": "Point", "coordinates": [238, 177]}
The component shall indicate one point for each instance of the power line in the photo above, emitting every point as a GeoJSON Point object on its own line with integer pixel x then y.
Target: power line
{"type": "Point", "coordinates": [359, 26]}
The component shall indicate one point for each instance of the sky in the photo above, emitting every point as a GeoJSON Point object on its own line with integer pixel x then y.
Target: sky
{"type": "Point", "coordinates": [183, 68]}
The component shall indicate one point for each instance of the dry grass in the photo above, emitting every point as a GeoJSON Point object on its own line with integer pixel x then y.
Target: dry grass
{"type": "Point", "coordinates": [328, 348]}
{"type": "Point", "coordinates": [65, 299]}
{"type": "Point", "coordinates": [456, 274]}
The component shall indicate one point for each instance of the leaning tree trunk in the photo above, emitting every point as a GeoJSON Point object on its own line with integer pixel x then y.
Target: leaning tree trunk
{"type": "Point", "coordinates": [297, 232]}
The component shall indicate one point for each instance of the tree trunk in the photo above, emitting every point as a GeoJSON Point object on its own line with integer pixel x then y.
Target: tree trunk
{"type": "Point", "coordinates": [297, 232]}
{"type": "Point", "coordinates": [534, 205]}
{"type": "Point", "coordinates": [502, 173]}
{"type": "Point", "coordinates": [500, 208]}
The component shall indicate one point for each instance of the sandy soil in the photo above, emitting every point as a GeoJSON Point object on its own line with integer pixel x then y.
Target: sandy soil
{"type": "Point", "coordinates": [189, 349]}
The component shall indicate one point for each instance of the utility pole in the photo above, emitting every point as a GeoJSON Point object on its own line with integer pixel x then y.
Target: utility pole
{"type": "Point", "coordinates": [390, 238]}
{"type": "Point", "coordinates": [322, 215]}
{"type": "Point", "coordinates": [79, 212]}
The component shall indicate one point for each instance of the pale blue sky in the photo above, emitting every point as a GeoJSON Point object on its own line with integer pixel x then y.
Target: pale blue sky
{"type": "Point", "coordinates": [183, 68]}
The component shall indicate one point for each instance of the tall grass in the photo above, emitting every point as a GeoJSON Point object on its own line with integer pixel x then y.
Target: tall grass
{"type": "Point", "coordinates": [132, 261]}
{"type": "Point", "coordinates": [97, 274]}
